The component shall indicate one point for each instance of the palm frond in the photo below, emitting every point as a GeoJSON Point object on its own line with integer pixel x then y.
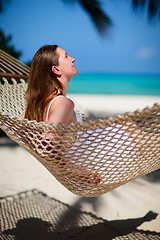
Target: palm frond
{"type": "Point", "coordinates": [153, 7]}
{"type": "Point", "coordinates": [99, 17]}
{"type": "Point", "coordinates": [93, 7]}
{"type": "Point", "coordinates": [2, 3]}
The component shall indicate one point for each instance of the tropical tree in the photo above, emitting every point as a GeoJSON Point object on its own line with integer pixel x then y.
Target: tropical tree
{"type": "Point", "coordinates": [101, 19]}
{"type": "Point", "coordinates": [153, 7]}
{"type": "Point", "coordinates": [5, 44]}
{"type": "Point", "coordinates": [94, 9]}
{"type": "Point", "coordinates": [5, 41]}
{"type": "Point", "coordinates": [2, 4]}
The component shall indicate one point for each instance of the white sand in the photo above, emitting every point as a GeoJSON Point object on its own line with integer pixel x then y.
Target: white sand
{"type": "Point", "coordinates": [19, 171]}
{"type": "Point", "coordinates": [105, 105]}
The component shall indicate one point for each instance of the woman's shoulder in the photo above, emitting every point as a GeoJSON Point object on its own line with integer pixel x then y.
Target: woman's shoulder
{"type": "Point", "coordinates": [63, 99]}
{"type": "Point", "coordinates": [61, 111]}
{"type": "Point", "coordinates": [62, 102]}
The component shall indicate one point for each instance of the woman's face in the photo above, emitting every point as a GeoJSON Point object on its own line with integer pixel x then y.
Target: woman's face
{"type": "Point", "coordinates": [66, 64]}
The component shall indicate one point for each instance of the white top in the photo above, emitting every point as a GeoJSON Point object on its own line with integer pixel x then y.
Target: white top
{"type": "Point", "coordinates": [77, 117]}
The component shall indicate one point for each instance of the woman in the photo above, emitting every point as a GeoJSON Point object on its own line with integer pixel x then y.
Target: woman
{"type": "Point", "coordinates": [51, 71]}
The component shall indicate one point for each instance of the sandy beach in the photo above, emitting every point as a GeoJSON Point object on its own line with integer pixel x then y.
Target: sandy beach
{"type": "Point", "coordinates": [110, 105]}
{"type": "Point", "coordinates": [19, 171]}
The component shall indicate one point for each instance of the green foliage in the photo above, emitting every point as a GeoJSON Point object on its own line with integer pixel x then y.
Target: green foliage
{"type": "Point", "coordinates": [102, 20]}
{"type": "Point", "coordinates": [153, 7]}
{"type": "Point", "coordinates": [2, 3]}
{"type": "Point", "coordinates": [5, 45]}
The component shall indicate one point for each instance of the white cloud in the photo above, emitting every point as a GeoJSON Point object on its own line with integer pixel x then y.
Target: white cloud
{"type": "Point", "coordinates": [146, 53]}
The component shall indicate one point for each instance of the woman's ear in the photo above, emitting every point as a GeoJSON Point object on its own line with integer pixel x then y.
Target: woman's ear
{"type": "Point", "coordinates": [56, 70]}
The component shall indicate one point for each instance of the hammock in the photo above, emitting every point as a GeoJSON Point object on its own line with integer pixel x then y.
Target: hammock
{"type": "Point", "coordinates": [88, 158]}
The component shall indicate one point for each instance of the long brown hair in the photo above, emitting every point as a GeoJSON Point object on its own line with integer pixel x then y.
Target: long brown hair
{"type": "Point", "coordinates": [43, 84]}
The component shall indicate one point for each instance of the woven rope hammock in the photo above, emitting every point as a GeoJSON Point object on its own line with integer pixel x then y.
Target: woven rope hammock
{"type": "Point", "coordinates": [88, 158]}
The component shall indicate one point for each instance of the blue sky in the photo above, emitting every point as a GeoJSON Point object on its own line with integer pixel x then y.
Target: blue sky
{"type": "Point", "coordinates": [131, 46]}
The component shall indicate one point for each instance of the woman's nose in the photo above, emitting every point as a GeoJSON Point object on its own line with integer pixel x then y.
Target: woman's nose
{"type": "Point", "coordinates": [72, 59]}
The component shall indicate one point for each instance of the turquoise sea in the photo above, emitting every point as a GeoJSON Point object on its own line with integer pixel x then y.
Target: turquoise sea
{"type": "Point", "coordinates": [118, 84]}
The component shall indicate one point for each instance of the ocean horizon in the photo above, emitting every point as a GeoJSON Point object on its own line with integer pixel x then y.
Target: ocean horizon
{"type": "Point", "coordinates": [115, 84]}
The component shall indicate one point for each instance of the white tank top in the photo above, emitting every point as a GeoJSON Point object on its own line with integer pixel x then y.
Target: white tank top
{"type": "Point", "coordinates": [77, 117]}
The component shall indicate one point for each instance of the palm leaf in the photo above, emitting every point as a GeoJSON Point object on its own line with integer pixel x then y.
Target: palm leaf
{"type": "Point", "coordinates": [2, 3]}
{"type": "Point", "coordinates": [152, 5]}
{"type": "Point", "coordinates": [93, 7]}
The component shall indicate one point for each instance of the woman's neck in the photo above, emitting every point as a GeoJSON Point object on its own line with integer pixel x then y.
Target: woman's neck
{"type": "Point", "coordinates": [64, 82]}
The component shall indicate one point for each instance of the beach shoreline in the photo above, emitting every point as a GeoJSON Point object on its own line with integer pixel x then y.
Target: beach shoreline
{"type": "Point", "coordinates": [110, 105]}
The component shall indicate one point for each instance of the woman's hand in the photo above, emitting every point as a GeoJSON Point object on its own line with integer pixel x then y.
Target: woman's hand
{"type": "Point", "coordinates": [22, 116]}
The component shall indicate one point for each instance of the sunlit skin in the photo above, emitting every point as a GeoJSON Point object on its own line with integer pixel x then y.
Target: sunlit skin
{"type": "Point", "coordinates": [65, 70]}
{"type": "Point", "coordinates": [62, 109]}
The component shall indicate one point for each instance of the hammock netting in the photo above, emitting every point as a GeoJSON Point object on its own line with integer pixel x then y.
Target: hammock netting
{"type": "Point", "coordinates": [88, 158]}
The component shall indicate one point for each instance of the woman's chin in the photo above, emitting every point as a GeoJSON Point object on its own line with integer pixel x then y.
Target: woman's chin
{"type": "Point", "coordinates": [76, 72]}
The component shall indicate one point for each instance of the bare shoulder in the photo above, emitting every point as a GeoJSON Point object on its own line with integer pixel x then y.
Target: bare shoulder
{"type": "Point", "coordinates": [62, 102]}
{"type": "Point", "coordinates": [61, 111]}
